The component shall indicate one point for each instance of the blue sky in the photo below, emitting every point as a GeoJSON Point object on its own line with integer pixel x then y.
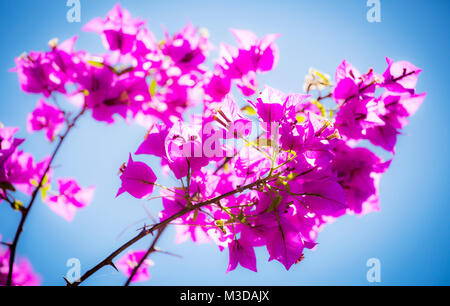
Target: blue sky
{"type": "Point", "coordinates": [409, 235]}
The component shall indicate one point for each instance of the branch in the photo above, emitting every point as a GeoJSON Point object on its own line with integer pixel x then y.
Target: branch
{"type": "Point", "coordinates": [320, 98]}
{"type": "Point", "coordinates": [108, 261]}
{"type": "Point", "coordinates": [150, 250]}
{"type": "Point", "coordinates": [26, 211]}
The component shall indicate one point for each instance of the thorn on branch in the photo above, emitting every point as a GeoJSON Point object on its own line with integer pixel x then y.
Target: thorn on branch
{"type": "Point", "coordinates": [113, 265]}
{"type": "Point", "coordinates": [9, 245]}
{"type": "Point", "coordinates": [67, 282]}
{"type": "Point", "coordinates": [159, 250]}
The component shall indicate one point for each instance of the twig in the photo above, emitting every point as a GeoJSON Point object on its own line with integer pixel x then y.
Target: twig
{"type": "Point", "coordinates": [150, 250]}
{"type": "Point", "coordinates": [26, 211]}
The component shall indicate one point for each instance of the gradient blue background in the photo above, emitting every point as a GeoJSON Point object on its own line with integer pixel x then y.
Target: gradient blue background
{"type": "Point", "coordinates": [410, 235]}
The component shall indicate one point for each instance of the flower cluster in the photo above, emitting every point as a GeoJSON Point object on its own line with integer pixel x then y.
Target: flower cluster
{"type": "Point", "coordinates": [241, 64]}
{"type": "Point", "coordinates": [377, 119]}
{"type": "Point", "coordinates": [270, 173]}
{"type": "Point", "coordinates": [140, 78]}
{"type": "Point", "coordinates": [303, 170]}
{"type": "Point", "coordinates": [46, 117]}
{"type": "Point", "coordinates": [19, 171]}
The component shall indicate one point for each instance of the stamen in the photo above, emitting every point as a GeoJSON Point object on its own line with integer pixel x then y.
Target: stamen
{"type": "Point", "coordinates": [335, 135]}
{"type": "Point", "coordinates": [224, 116]}
{"type": "Point", "coordinates": [325, 125]}
{"type": "Point", "coordinates": [220, 121]}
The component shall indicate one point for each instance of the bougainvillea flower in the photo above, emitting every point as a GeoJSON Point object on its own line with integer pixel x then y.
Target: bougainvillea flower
{"type": "Point", "coordinates": [284, 243]}
{"type": "Point", "coordinates": [184, 147]}
{"type": "Point", "coordinates": [351, 84]}
{"type": "Point", "coordinates": [358, 171]}
{"type": "Point", "coordinates": [154, 143]}
{"type": "Point", "coordinates": [248, 84]}
{"type": "Point", "coordinates": [394, 113]}
{"type": "Point", "coordinates": [323, 197]}
{"type": "Point", "coordinates": [36, 74]}
{"type": "Point", "coordinates": [276, 106]}
{"type": "Point", "coordinates": [65, 60]}
{"type": "Point", "coordinates": [264, 52]}
{"type": "Point", "coordinates": [24, 173]}
{"type": "Point", "coordinates": [71, 197]}
{"type": "Point", "coordinates": [188, 49]}
{"type": "Point", "coordinates": [109, 94]}
{"type": "Point", "coordinates": [23, 273]}
{"type": "Point", "coordinates": [8, 145]}
{"type": "Point", "coordinates": [378, 119]}
{"type": "Point", "coordinates": [203, 185]}
{"type": "Point", "coordinates": [137, 179]}
{"type": "Point", "coordinates": [104, 98]}
{"type": "Point", "coordinates": [47, 72]}
{"type": "Point", "coordinates": [194, 225]}
{"type": "Point", "coordinates": [347, 71]}
{"type": "Point", "coordinates": [46, 117]}
{"type": "Point", "coordinates": [218, 86]}
{"type": "Point", "coordinates": [251, 163]}
{"type": "Point", "coordinates": [271, 105]}
{"type": "Point", "coordinates": [241, 253]}
{"type": "Point", "coordinates": [130, 260]}
{"type": "Point", "coordinates": [315, 138]}
{"type": "Point", "coordinates": [252, 56]}
{"type": "Point", "coordinates": [179, 94]}
{"type": "Point", "coordinates": [172, 204]}
{"type": "Point", "coordinates": [356, 116]}
{"type": "Point", "coordinates": [230, 118]}
{"type": "Point", "coordinates": [118, 30]}
{"type": "Point", "coordinates": [401, 76]}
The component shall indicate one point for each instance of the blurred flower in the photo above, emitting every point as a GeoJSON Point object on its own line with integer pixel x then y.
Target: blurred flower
{"type": "Point", "coordinates": [46, 117]}
{"type": "Point", "coordinates": [71, 197]}
{"type": "Point", "coordinates": [129, 261]}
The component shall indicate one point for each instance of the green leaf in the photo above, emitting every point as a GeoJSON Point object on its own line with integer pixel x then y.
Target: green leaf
{"type": "Point", "coordinates": [275, 203]}
{"type": "Point", "coordinates": [152, 88]}
{"type": "Point", "coordinates": [195, 215]}
{"type": "Point", "coordinates": [34, 182]}
{"type": "Point", "coordinates": [44, 191]}
{"type": "Point", "coordinates": [243, 218]}
{"type": "Point", "coordinates": [96, 64]}
{"type": "Point", "coordinates": [45, 186]}
{"type": "Point", "coordinates": [286, 185]}
{"type": "Point", "coordinates": [220, 224]}
{"type": "Point", "coordinates": [260, 142]}
{"type": "Point", "coordinates": [17, 205]}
